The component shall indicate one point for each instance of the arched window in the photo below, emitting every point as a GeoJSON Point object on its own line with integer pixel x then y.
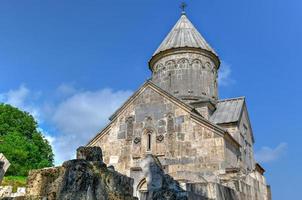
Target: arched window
{"type": "Point", "coordinates": [149, 142]}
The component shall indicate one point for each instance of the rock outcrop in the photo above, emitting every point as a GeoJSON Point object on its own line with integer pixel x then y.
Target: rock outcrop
{"type": "Point", "coordinates": [85, 178]}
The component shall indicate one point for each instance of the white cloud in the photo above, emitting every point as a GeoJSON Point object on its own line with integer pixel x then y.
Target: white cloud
{"type": "Point", "coordinates": [267, 154]}
{"type": "Point", "coordinates": [22, 98]}
{"type": "Point", "coordinates": [16, 97]}
{"type": "Point", "coordinates": [81, 116]}
{"type": "Point", "coordinates": [74, 119]}
{"type": "Point", "coordinates": [224, 75]}
{"type": "Point", "coordinates": [66, 90]}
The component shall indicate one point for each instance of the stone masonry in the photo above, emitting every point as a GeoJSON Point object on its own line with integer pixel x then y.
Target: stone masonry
{"type": "Point", "coordinates": [202, 142]}
{"type": "Point", "coordinates": [85, 178]}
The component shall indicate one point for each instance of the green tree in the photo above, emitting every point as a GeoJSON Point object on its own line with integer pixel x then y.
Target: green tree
{"type": "Point", "coordinates": [21, 142]}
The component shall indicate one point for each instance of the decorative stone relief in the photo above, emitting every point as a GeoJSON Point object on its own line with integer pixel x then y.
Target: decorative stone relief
{"type": "Point", "coordinates": [170, 64]}
{"type": "Point", "coordinates": [178, 74]}
{"type": "Point", "coordinates": [170, 124]}
{"type": "Point", "coordinates": [183, 63]}
{"type": "Point", "coordinates": [161, 126]}
{"type": "Point", "coordinates": [159, 138]}
{"type": "Point", "coordinates": [137, 140]}
{"type": "Point", "coordinates": [196, 63]}
{"type": "Point", "coordinates": [129, 122]}
{"type": "Point", "coordinates": [158, 68]}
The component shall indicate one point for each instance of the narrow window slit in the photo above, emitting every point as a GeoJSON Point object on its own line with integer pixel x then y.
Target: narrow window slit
{"type": "Point", "coordinates": [149, 142]}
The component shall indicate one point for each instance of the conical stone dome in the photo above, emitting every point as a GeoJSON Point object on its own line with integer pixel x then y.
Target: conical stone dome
{"type": "Point", "coordinates": [184, 34]}
{"type": "Point", "coordinates": [185, 65]}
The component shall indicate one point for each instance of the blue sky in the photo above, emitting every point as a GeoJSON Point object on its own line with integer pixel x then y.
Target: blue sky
{"type": "Point", "coordinates": [71, 63]}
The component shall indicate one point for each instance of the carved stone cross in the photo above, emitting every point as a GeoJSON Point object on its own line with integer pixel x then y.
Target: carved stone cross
{"type": "Point", "coordinates": [183, 6]}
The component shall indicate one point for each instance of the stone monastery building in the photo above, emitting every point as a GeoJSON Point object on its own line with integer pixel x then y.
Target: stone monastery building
{"type": "Point", "coordinates": [178, 117]}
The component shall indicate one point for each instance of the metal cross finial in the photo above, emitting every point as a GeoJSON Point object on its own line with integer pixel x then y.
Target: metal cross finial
{"type": "Point", "coordinates": [183, 6]}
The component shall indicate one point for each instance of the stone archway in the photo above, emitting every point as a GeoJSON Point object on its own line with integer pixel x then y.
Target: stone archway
{"type": "Point", "coordinates": [142, 189]}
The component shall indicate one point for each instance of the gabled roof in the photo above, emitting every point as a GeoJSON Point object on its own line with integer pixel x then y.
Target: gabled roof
{"type": "Point", "coordinates": [184, 34]}
{"type": "Point", "coordinates": [228, 110]}
{"type": "Point", "coordinates": [155, 87]}
{"type": "Point", "coordinates": [194, 114]}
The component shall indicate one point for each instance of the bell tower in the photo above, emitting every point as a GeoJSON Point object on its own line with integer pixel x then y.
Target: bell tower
{"type": "Point", "coordinates": [185, 65]}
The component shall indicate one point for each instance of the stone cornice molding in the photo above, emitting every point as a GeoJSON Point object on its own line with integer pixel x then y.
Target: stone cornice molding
{"type": "Point", "coordinates": [182, 50]}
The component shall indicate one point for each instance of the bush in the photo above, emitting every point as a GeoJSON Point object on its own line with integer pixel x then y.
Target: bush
{"type": "Point", "coordinates": [21, 143]}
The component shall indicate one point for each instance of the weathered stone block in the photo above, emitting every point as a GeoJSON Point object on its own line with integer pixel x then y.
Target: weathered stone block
{"type": "Point", "coordinates": [1, 171]}
{"type": "Point", "coordinates": [121, 135]}
{"type": "Point", "coordinates": [85, 178]}
{"type": "Point", "coordinates": [90, 153]}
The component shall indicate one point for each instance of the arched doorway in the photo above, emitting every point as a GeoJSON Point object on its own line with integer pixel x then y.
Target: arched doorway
{"type": "Point", "coordinates": [142, 189]}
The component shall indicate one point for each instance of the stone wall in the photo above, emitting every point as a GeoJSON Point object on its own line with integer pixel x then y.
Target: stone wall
{"type": "Point", "coordinates": [212, 191]}
{"type": "Point", "coordinates": [187, 75]}
{"type": "Point", "coordinates": [161, 186]}
{"type": "Point", "coordinates": [251, 186]}
{"type": "Point", "coordinates": [243, 134]}
{"type": "Point", "coordinates": [85, 178]}
{"type": "Point", "coordinates": [7, 192]}
{"type": "Point", "coordinates": [185, 147]}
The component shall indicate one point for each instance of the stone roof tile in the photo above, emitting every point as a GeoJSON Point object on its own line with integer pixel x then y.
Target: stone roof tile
{"type": "Point", "coordinates": [228, 110]}
{"type": "Point", "coordinates": [184, 34]}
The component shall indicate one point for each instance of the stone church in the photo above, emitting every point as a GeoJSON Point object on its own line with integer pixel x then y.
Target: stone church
{"type": "Point", "coordinates": [177, 117]}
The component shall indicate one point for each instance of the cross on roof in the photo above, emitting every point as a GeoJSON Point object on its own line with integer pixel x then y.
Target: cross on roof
{"type": "Point", "coordinates": [183, 6]}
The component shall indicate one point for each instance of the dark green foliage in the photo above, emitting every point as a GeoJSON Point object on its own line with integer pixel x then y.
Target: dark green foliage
{"type": "Point", "coordinates": [21, 142]}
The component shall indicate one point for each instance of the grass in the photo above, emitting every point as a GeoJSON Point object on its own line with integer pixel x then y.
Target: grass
{"type": "Point", "coordinates": [15, 181]}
